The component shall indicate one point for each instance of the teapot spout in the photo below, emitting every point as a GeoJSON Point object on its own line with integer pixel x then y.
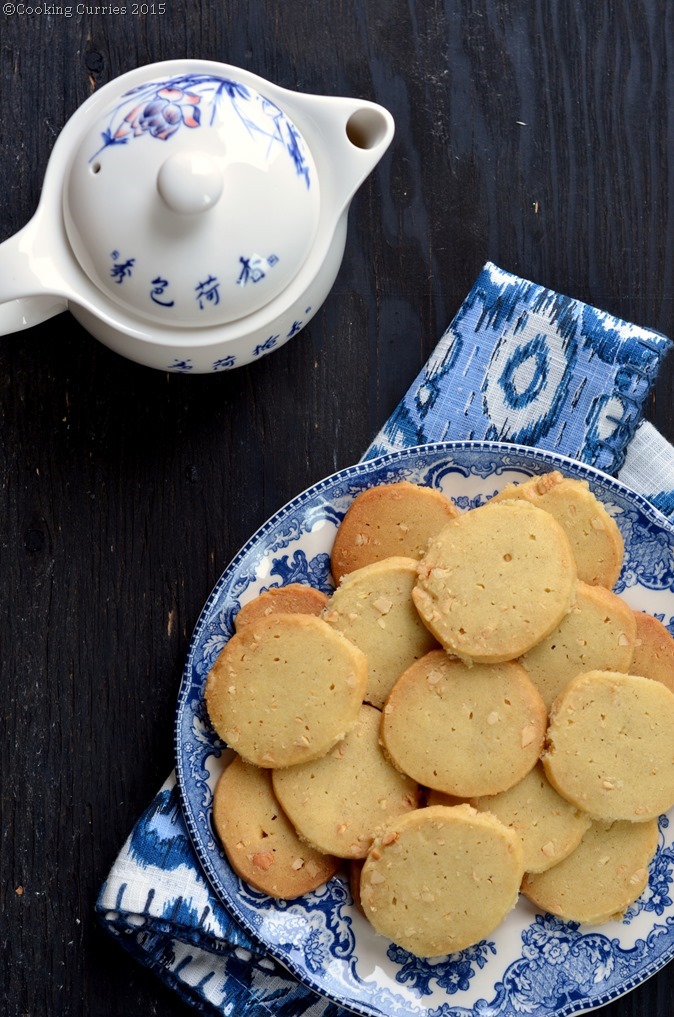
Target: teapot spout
{"type": "Point", "coordinates": [370, 128]}
{"type": "Point", "coordinates": [348, 137]}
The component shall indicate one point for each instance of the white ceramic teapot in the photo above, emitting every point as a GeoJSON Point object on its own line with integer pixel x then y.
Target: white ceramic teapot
{"type": "Point", "coordinates": [193, 215]}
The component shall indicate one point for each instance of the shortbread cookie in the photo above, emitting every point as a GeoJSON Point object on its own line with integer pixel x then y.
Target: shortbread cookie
{"type": "Point", "coordinates": [465, 731]}
{"type": "Point", "coordinates": [601, 878]}
{"type": "Point", "coordinates": [441, 879]}
{"type": "Point", "coordinates": [339, 803]}
{"type": "Point", "coordinates": [373, 608]}
{"type": "Point", "coordinates": [549, 827]}
{"type": "Point", "coordinates": [595, 538]}
{"type": "Point", "coordinates": [495, 581]}
{"type": "Point", "coordinates": [286, 689]}
{"type": "Point", "coordinates": [296, 598]}
{"type": "Point", "coordinates": [390, 520]}
{"type": "Point", "coordinates": [653, 651]}
{"type": "Point", "coordinates": [261, 845]}
{"type": "Point", "coordinates": [610, 746]}
{"type": "Point", "coordinates": [598, 632]}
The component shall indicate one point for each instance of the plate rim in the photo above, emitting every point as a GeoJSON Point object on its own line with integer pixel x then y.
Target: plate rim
{"type": "Point", "coordinates": [365, 465]}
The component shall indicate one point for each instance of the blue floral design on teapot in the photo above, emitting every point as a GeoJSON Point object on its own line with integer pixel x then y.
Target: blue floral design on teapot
{"type": "Point", "coordinates": [160, 109]}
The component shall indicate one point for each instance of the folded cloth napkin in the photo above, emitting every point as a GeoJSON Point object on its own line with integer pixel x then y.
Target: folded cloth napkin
{"type": "Point", "coordinates": [519, 363]}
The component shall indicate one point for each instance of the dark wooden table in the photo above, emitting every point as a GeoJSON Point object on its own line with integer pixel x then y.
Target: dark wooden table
{"type": "Point", "coordinates": [537, 134]}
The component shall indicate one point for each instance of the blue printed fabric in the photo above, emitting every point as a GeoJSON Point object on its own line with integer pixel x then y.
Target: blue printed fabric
{"type": "Point", "coordinates": [524, 364]}
{"type": "Point", "coordinates": [158, 905]}
{"type": "Point", "coordinates": [518, 363]}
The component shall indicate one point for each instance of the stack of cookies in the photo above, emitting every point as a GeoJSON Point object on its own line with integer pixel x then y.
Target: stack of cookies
{"type": "Point", "coordinates": [471, 715]}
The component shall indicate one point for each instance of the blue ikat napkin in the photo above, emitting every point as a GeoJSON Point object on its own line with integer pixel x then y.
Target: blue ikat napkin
{"type": "Point", "coordinates": [518, 363]}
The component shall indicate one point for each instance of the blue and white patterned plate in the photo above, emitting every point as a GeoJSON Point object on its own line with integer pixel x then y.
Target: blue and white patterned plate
{"type": "Point", "coordinates": [533, 964]}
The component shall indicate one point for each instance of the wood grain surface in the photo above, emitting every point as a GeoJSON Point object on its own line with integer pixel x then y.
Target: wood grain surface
{"type": "Point", "coordinates": [538, 134]}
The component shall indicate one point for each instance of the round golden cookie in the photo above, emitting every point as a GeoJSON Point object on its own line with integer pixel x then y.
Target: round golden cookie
{"type": "Point", "coordinates": [285, 689]}
{"type": "Point", "coordinates": [441, 879]}
{"type": "Point", "coordinates": [598, 632]}
{"type": "Point", "coordinates": [390, 520]}
{"type": "Point", "coordinates": [373, 608]}
{"type": "Point", "coordinates": [261, 845]}
{"type": "Point", "coordinates": [466, 731]}
{"type": "Point", "coordinates": [597, 543]}
{"type": "Point", "coordinates": [549, 827]}
{"type": "Point", "coordinates": [653, 650]}
{"type": "Point", "coordinates": [610, 746]}
{"type": "Point", "coordinates": [340, 802]}
{"type": "Point", "coordinates": [601, 878]}
{"type": "Point", "coordinates": [296, 598]}
{"type": "Point", "coordinates": [495, 581]}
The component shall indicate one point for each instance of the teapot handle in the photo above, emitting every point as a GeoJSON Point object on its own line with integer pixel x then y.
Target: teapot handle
{"type": "Point", "coordinates": [16, 315]}
{"type": "Point", "coordinates": [30, 291]}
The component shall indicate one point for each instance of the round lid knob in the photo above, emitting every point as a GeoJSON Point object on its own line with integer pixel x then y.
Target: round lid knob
{"type": "Point", "coordinates": [190, 182]}
{"type": "Point", "coordinates": [192, 201]}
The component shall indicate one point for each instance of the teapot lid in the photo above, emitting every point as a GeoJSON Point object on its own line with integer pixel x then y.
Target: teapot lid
{"type": "Point", "coordinates": [193, 200]}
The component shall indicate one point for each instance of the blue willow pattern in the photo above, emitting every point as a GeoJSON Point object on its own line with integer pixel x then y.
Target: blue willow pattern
{"type": "Point", "coordinates": [558, 963]}
{"type": "Point", "coordinates": [558, 966]}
